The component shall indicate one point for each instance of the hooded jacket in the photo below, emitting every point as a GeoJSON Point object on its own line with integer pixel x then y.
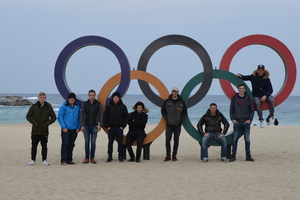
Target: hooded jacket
{"type": "Point", "coordinates": [137, 122]}
{"type": "Point", "coordinates": [174, 111]}
{"type": "Point", "coordinates": [241, 109]}
{"type": "Point", "coordinates": [212, 123]}
{"type": "Point", "coordinates": [69, 116]}
{"type": "Point", "coordinates": [261, 85]}
{"type": "Point", "coordinates": [115, 115]}
{"type": "Point", "coordinates": [40, 118]}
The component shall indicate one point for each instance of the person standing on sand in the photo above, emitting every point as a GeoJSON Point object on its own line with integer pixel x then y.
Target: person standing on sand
{"type": "Point", "coordinates": [40, 115]}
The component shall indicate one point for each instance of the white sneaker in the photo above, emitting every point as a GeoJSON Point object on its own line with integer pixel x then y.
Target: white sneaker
{"type": "Point", "coordinates": [31, 163]}
{"type": "Point", "coordinates": [271, 120]}
{"type": "Point", "coordinates": [262, 124]}
{"type": "Point", "coordinates": [45, 163]}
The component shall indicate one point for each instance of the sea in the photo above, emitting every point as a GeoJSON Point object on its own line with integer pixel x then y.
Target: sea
{"type": "Point", "coordinates": [286, 113]}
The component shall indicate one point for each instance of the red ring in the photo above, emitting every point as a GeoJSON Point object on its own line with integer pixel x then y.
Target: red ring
{"type": "Point", "coordinates": [279, 48]}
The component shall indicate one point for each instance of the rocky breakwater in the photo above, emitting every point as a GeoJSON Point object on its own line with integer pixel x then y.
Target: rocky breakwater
{"type": "Point", "coordinates": [10, 100]}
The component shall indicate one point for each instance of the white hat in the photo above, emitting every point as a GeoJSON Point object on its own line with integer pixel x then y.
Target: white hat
{"type": "Point", "coordinates": [175, 89]}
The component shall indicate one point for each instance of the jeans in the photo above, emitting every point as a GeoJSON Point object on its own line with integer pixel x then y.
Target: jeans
{"type": "Point", "coordinates": [269, 100]}
{"type": "Point", "coordinates": [35, 139]}
{"type": "Point", "coordinates": [67, 145]}
{"type": "Point", "coordinates": [215, 136]}
{"type": "Point", "coordinates": [237, 128]}
{"type": "Point", "coordinates": [90, 136]}
{"type": "Point", "coordinates": [169, 131]}
{"type": "Point", "coordinates": [118, 133]}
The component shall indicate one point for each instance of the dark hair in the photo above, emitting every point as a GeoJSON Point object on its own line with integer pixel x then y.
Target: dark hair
{"type": "Point", "coordinates": [139, 103]}
{"type": "Point", "coordinates": [241, 85]}
{"type": "Point", "coordinates": [213, 104]}
{"type": "Point", "coordinates": [92, 91]}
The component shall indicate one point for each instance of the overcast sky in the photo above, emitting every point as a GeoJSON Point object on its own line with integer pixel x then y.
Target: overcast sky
{"type": "Point", "coordinates": [34, 32]}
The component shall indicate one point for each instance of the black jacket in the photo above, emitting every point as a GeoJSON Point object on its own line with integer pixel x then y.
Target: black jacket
{"type": "Point", "coordinates": [213, 123]}
{"type": "Point", "coordinates": [241, 112]}
{"type": "Point", "coordinates": [91, 114]}
{"type": "Point", "coordinates": [115, 115]}
{"type": "Point", "coordinates": [137, 123]}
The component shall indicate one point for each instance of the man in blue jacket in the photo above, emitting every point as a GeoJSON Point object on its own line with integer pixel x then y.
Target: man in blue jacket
{"type": "Point", "coordinates": [241, 115]}
{"type": "Point", "coordinates": [261, 91]}
{"type": "Point", "coordinates": [69, 120]}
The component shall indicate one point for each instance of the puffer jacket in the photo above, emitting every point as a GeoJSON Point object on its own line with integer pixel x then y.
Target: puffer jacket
{"type": "Point", "coordinates": [115, 115]}
{"type": "Point", "coordinates": [69, 116]}
{"type": "Point", "coordinates": [40, 118]}
{"type": "Point", "coordinates": [261, 85]}
{"type": "Point", "coordinates": [241, 112]}
{"type": "Point", "coordinates": [137, 123]}
{"type": "Point", "coordinates": [212, 123]}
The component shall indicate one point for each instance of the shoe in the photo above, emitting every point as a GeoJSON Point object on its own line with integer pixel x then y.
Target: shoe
{"type": "Point", "coordinates": [86, 161]}
{"type": "Point", "coordinates": [174, 159]}
{"type": "Point", "coordinates": [224, 159]}
{"type": "Point", "coordinates": [205, 159]}
{"type": "Point", "coordinates": [131, 160]}
{"type": "Point", "coordinates": [249, 158]}
{"type": "Point", "coordinates": [63, 163]}
{"type": "Point", "coordinates": [276, 122]}
{"type": "Point", "coordinates": [232, 158]}
{"type": "Point", "coordinates": [262, 124]}
{"type": "Point", "coordinates": [167, 159]}
{"type": "Point", "coordinates": [31, 163]}
{"type": "Point", "coordinates": [45, 163]}
{"type": "Point", "coordinates": [93, 161]}
{"type": "Point", "coordinates": [137, 161]}
{"type": "Point", "coordinates": [71, 163]}
{"type": "Point", "coordinates": [271, 120]}
{"type": "Point", "coordinates": [121, 160]}
{"type": "Point", "coordinates": [109, 159]}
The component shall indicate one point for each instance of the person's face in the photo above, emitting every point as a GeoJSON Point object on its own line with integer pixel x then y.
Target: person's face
{"type": "Point", "coordinates": [116, 99]}
{"type": "Point", "coordinates": [174, 94]}
{"type": "Point", "coordinates": [213, 109]}
{"type": "Point", "coordinates": [71, 101]}
{"type": "Point", "coordinates": [241, 90]}
{"type": "Point", "coordinates": [139, 109]}
{"type": "Point", "coordinates": [91, 96]}
{"type": "Point", "coordinates": [260, 72]}
{"type": "Point", "coordinates": [42, 99]}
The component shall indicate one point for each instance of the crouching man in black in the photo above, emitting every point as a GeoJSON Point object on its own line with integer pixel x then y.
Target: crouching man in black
{"type": "Point", "coordinates": [137, 121]}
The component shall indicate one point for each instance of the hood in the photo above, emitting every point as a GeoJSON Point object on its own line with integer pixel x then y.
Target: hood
{"type": "Point", "coordinates": [146, 110]}
{"type": "Point", "coordinates": [265, 76]}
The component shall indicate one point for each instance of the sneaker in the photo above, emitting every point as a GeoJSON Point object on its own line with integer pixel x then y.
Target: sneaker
{"type": "Point", "coordinates": [137, 161]}
{"type": "Point", "coordinates": [205, 159]}
{"type": "Point", "coordinates": [224, 159]}
{"type": "Point", "coordinates": [232, 158]}
{"type": "Point", "coordinates": [249, 158]}
{"type": "Point", "coordinates": [31, 163]}
{"type": "Point", "coordinates": [174, 159]}
{"type": "Point", "coordinates": [167, 159]}
{"type": "Point", "coordinates": [71, 163]}
{"type": "Point", "coordinates": [86, 161]}
{"type": "Point", "coordinates": [109, 159]}
{"type": "Point", "coordinates": [131, 160]}
{"type": "Point", "coordinates": [93, 161]}
{"type": "Point", "coordinates": [271, 120]}
{"type": "Point", "coordinates": [63, 164]}
{"type": "Point", "coordinates": [45, 163]}
{"type": "Point", "coordinates": [121, 160]}
{"type": "Point", "coordinates": [262, 124]}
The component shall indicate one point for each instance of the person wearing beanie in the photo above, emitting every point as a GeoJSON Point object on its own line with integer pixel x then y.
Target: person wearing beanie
{"type": "Point", "coordinates": [91, 120]}
{"type": "Point", "coordinates": [69, 121]}
{"type": "Point", "coordinates": [262, 92]}
{"type": "Point", "coordinates": [137, 121]}
{"type": "Point", "coordinates": [173, 111]}
{"type": "Point", "coordinates": [115, 120]}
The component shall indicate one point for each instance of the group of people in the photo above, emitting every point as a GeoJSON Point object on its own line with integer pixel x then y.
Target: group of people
{"type": "Point", "coordinates": [89, 118]}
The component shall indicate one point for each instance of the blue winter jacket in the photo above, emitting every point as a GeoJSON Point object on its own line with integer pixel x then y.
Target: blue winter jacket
{"type": "Point", "coordinates": [69, 116]}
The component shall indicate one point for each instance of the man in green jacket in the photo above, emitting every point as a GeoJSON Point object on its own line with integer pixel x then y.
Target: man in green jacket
{"type": "Point", "coordinates": [40, 115]}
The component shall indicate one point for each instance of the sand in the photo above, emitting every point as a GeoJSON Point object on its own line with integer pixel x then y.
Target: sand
{"type": "Point", "coordinates": [275, 173]}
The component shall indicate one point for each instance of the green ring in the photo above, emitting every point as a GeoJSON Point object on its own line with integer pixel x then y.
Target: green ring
{"type": "Point", "coordinates": [217, 74]}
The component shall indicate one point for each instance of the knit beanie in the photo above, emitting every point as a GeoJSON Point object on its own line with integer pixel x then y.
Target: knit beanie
{"type": "Point", "coordinates": [116, 94]}
{"type": "Point", "coordinates": [72, 95]}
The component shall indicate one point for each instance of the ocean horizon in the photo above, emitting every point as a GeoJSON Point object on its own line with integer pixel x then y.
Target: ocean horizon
{"type": "Point", "coordinates": [286, 113]}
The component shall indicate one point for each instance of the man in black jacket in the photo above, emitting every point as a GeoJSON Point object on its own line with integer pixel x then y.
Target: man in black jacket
{"type": "Point", "coordinates": [241, 115]}
{"type": "Point", "coordinates": [115, 120]}
{"type": "Point", "coordinates": [212, 121]}
{"type": "Point", "coordinates": [173, 111]}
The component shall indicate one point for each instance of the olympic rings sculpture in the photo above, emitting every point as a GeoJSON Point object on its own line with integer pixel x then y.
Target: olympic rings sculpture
{"type": "Point", "coordinates": [204, 77]}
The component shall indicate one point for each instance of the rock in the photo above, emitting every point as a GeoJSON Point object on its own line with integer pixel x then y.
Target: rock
{"type": "Point", "coordinates": [10, 100]}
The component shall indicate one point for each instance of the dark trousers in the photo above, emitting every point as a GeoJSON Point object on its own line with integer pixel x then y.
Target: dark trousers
{"type": "Point", "coordinates": [112, 134]}
{"type": "Point", "coordinates": [169, 131]}
{"type": "Point", "coordinates": [130, 138]}
{"type": "Point", "coordinates": [67, 145]}
{"type": "Point", "coordinates": [35, 139]}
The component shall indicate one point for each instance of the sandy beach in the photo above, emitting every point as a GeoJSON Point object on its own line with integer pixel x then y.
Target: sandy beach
{"type": "Point", "coordinates": [275, 173]}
